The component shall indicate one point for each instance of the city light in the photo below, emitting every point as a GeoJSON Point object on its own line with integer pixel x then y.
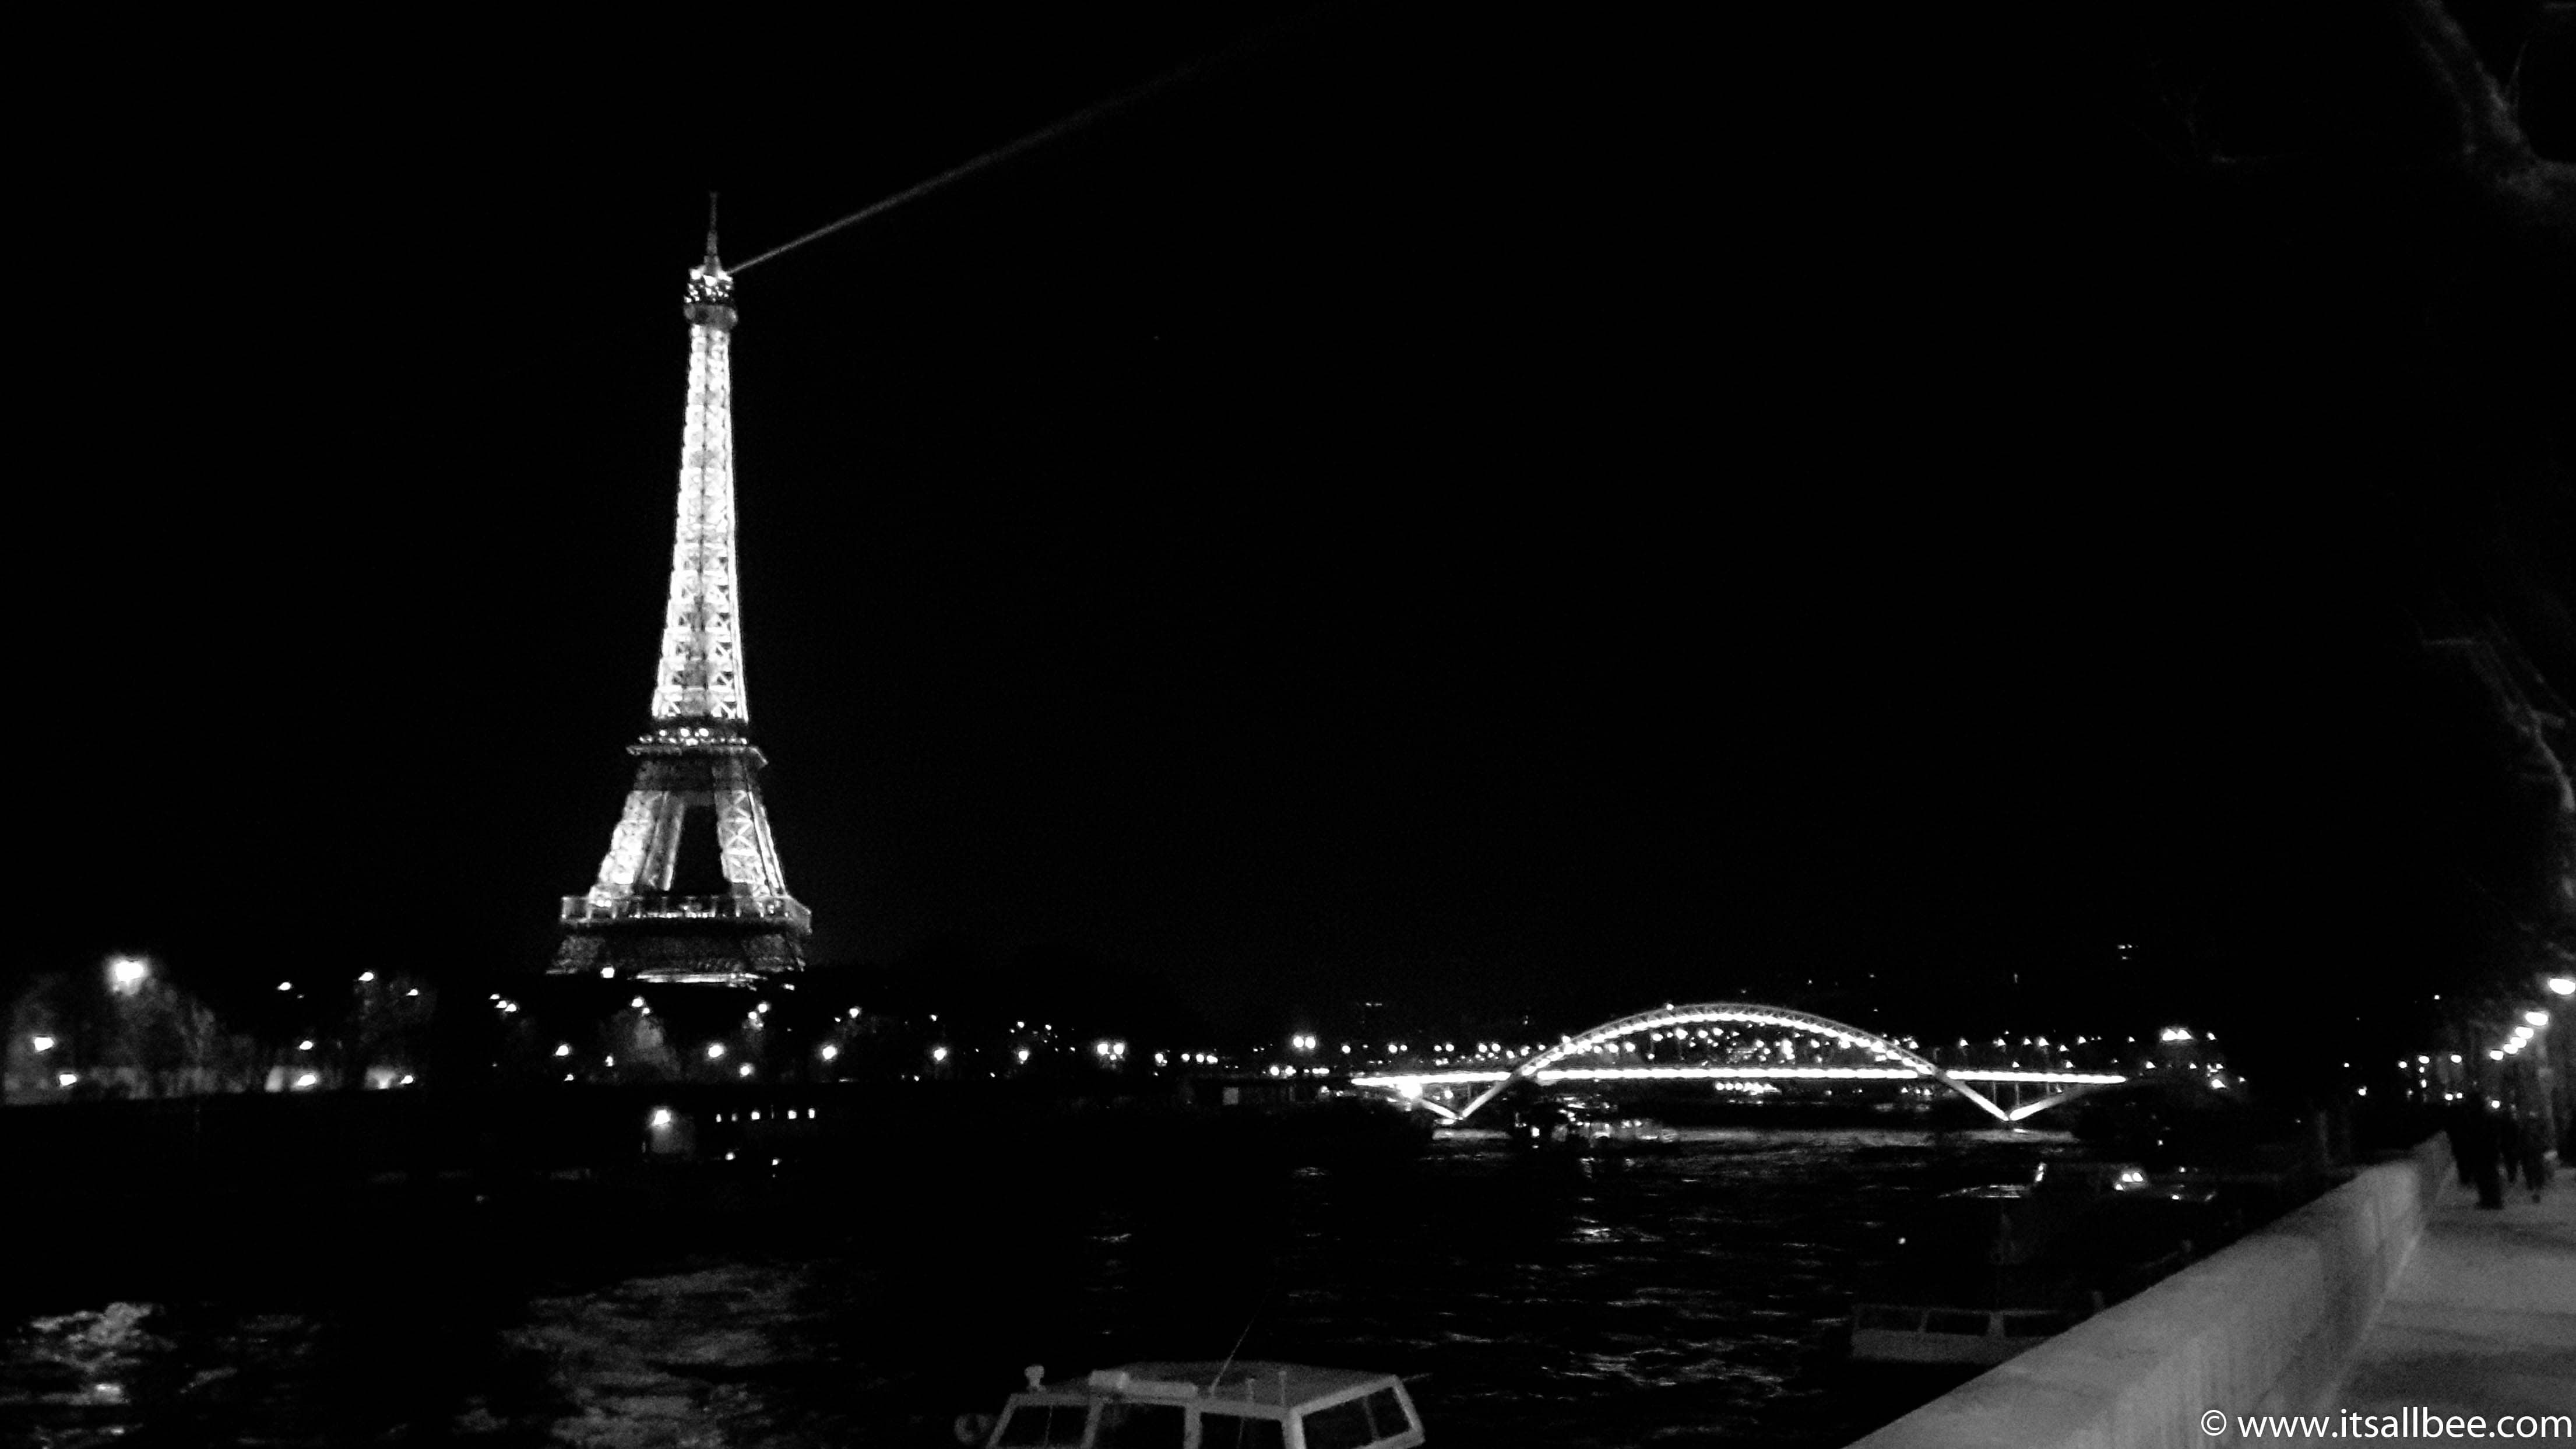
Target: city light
{"type": "Point", "coordinates": [305, 1045]}
{"type": "Point", "coordinates": [1024, 1054]}
{"type": "Point", "coordinates": [636, 1005]}
{"type": "Point", "coordinates": [41, 1043]}
{"type": "Point", "coordinates": [563, 1048]}
{"type": "Point", "coordinates": [745, 1069]}
{"type": "Point", "coordinates": [366, 976]}
{"type": "Point", "coordinates": [126, 975]}
{"type": "Point", "coordinates": [306, 1080]}
{"type": "Point", "coordinates": [829, 1052]}
{"type": "Point", "coordinates": [939, 1054]}
{"type": "Point", "coordinates": [65, 1079]}
{"type": "Point", "coordinates": [286, 986]}
{"type": "Point", "coordinates": [715, 1051]}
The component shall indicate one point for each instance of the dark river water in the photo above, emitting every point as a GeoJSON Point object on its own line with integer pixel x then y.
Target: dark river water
{"type": "Point", "coordinates": [1685, 1299]}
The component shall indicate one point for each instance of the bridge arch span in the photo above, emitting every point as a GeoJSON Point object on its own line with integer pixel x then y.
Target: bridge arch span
{"type": "Point", "coordinates": [1737, 1013]}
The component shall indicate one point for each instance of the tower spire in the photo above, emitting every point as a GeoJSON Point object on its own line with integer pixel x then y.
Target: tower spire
{"type": "Point", "coordinates": [701, 673]}
{"type": "Point", "coordinates": [695, 756]}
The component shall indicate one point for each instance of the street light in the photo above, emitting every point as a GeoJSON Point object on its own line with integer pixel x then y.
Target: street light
{"type": "Point", "coordinates": [2563, 985]}
{"type": "Point", "coordinates": [2536, 1018]}
{"type": "Point", "coordinates": [126, 975]}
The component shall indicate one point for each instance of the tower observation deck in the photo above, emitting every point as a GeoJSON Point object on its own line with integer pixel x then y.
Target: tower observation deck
{"type": "Point", "coordinates": [694, 817]}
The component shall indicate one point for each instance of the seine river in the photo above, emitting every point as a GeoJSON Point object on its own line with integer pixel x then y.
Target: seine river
{"type": "Point", "coordinates": [1685, 1299]}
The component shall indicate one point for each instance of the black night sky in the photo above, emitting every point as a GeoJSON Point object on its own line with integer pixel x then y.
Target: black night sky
{"type": "Point", "coordinates": [1484, 508]}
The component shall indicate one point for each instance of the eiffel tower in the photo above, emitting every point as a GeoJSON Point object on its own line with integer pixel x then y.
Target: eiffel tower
{"type": "Point", "coordinates": [696, 763]}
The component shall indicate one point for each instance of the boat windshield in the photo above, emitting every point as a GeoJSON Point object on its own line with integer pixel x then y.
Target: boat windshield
{"type": "Point", "coordinates": [1237, 1431]}
{"type": "Point", "coordinates": [1044, 1426]}
{"type": "Point", "coordinates": [1356, 1423]}
{"type": "Point", "coordinates": [1140, 1426]}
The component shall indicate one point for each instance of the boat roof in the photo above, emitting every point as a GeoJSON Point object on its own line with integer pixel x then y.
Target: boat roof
{"type": "Point", "coordinates": [1257, 1381]}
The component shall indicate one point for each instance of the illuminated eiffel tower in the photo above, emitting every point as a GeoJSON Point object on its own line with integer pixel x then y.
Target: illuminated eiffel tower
{"type": "Point", "coordinates": [696, 764]}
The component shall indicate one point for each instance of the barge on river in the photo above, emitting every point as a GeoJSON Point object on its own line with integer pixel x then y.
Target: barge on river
{"type": "Point", "coordinates": [1251, 1405]}
{"type": "Point", "coordinates": [1991, 1271]}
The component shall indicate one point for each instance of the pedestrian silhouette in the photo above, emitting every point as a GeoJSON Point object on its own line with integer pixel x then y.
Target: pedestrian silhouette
{"type": "Point", "coordinates": [2477, 1149]}
{"type": "Point", "coordinates": [2535, 1157]}
{"type": "Point", "coordinates": [2459, 1128]}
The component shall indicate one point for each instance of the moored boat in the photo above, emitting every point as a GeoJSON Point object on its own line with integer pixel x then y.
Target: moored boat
{"type": "Point", "coordinates": [1230, 1405]}
{"type": "Point", "coordinates": [1987, 1272]}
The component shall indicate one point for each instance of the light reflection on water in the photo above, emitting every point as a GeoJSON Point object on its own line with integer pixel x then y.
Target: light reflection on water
{"type": "Point", "coordinates": [1681, 1301]}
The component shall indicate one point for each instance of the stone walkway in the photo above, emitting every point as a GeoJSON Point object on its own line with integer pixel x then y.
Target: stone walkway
{"type": "Point", "coordinates": [2483, 1320]}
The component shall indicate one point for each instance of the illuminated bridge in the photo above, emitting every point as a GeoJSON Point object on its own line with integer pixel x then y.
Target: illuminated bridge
{"type": "Point", "coordinates": [1723, 1041]}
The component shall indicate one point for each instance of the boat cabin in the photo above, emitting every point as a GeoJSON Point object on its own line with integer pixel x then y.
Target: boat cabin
{"type": "Point", "coordinates": [1248, 1405]}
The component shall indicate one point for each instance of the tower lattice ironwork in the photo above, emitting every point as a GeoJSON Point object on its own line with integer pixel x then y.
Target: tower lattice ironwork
{"type": "Point", "coordinates": [695, 765]}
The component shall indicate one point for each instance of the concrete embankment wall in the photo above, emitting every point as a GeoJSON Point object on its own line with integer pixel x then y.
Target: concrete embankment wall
{"type": "Point", "coordinates": [2262, 1327]}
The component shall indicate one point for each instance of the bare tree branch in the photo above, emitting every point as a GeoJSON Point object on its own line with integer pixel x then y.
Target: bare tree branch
{"type": "Point", "coordinates": [2537, 193]}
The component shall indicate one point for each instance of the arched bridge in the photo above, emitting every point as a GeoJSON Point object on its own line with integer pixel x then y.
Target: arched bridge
{"type": "Point", "coordinates": [1888, 1061]}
